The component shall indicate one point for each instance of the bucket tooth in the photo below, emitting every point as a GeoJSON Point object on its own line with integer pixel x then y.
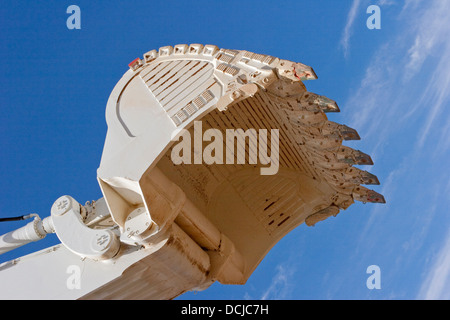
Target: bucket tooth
{"type": "Point", "coordinates": [351, 156]}
{"type": "Point", "coordinates": [358, 176]}
{"type": "Point", "coordinates": [362, 159]}
{"type": "Point", "coordinates": [368, 178]}
{"type": "Point", "coordinates": [348, 133]}
{"type": "Point", "coordinates": [295, 71]}
{"type": "Point", "coordinates": [327, 105]}
{"type": "Point", "coordinates": [304, 72]}
{"type": "Point", "coordinates": [342, 131]}
{"type": "Point", "coordinates": [345, 131]}
{"type": "Point", "coordinates": [366, 195]}
{"type": "Point", "coordinates": [314, 102]}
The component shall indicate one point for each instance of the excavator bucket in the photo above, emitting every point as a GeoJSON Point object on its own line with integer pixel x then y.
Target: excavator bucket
{"type": "Point", "coordinates": [210, 158]}
{"type": "Point", "coordinates": [217, 154]}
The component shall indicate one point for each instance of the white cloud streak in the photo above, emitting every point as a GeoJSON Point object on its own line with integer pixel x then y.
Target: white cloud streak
{"type": "Point", "coordinates": [401, 62]}
{"type": "Point", "coordinates": [436, 285]}
{"type": "Point", "coordinates": [432, 41]}
{"type": "Point", "coordinates": [281, 284]}
{"type": "Point", "coordinates": [346, 35]}
{"type": "Point", "coordinates": [407, 85]}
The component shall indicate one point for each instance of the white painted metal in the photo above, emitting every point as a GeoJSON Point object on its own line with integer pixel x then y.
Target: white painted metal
{"type": "Point", "coordinates": [33, 231]}
{"type": "Point", "coordinates": [76, 236]}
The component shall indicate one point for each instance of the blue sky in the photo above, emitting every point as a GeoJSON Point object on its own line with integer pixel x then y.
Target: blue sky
{"type": "Point", "coordinates": [392, 85]}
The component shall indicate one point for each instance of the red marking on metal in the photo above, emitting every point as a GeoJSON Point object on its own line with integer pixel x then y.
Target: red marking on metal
{"type": "Point", "coordinates": [132, 63]}
{"type": "Point", "coordinates": [295, 74]}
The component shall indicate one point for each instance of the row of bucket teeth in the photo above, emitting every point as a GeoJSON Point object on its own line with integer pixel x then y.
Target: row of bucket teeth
{"type": "Point", "coordinates": [323, 139]}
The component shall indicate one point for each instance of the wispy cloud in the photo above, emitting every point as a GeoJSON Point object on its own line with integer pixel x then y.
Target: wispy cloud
{"type": "Point", "coordinates": [281, 284]}
{"type": "Point", "coordinates": [436, 286]}
{"type": "Point", "coordinates": [431, 41]}
{"type": "Point", "coordinates": [375, 90]}
{"type": "Point", "coordinates": [399, 64]}
{"type": "Point", "coordinates": [436, 96]}
{"type": "Point", "coordinates": [402, 99]}
{"type": "Point", "coordinates": [346, 35]}
{"type": "Point", "coordinates": [431, 30]}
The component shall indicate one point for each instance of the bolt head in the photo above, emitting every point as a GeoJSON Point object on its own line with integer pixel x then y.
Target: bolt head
{"type": "Point", "coordinates": [101, 242]}
{"type": "Point", "coordinates": [61, 206]}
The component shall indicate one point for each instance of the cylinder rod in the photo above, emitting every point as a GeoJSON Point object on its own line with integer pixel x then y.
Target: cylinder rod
{"type": "Point", "coordinates": [33, 231]}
